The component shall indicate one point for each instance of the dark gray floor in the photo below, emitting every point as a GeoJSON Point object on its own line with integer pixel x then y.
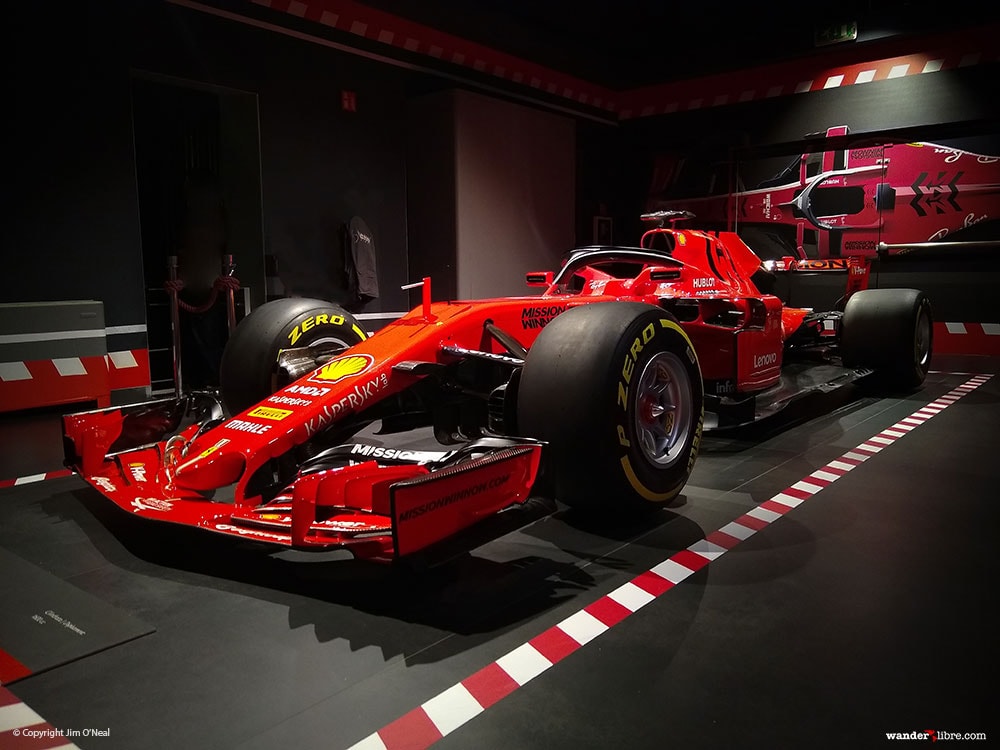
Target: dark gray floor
{"type": "Point", "coordinates": [32, 441]}
{"type": "Point", "coordinates": [871, 608]}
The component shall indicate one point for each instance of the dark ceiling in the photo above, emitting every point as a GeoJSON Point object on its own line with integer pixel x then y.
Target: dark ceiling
{"type": "Point", "coordinates": [632, 43]}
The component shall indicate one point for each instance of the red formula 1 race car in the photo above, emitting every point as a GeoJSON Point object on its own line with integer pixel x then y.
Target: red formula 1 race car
{"type": "Point", "coordinates": [597, 390]}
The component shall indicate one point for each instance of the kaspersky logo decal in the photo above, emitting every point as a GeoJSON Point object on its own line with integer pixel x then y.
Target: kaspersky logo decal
{"type": "Point", "coordinates": [342, 367]}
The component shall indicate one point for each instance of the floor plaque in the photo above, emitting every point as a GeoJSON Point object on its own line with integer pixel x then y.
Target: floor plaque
{"type": "Point", "coordinates": [46, 622]}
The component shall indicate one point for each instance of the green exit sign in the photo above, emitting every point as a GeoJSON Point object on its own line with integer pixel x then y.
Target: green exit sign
{"type": "Point", "coordinates": [835, 34]}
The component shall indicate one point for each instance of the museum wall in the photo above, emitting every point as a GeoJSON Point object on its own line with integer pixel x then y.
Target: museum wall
{"type": "Point", "coordinates": [491, 186]}
{"type": "Point", "coordinates": [71, 224]}
{"type": "Point", "coordinates": [515, 183]}
{"type": "Point", "coordinates": [261, 113]}
{"type": "Point", "coordinates": [430, 193]}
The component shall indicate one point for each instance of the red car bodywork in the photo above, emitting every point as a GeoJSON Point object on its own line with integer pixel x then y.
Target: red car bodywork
{"type": "Point", "coordinates": [203, 475]}
{"type": "Point", "coordinates": [853, 199]}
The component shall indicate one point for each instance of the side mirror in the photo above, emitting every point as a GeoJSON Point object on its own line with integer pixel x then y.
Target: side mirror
{"type": "Point", "coordinates": [539, 278]}
{"type": "Point", "coordinates": [664, 274]}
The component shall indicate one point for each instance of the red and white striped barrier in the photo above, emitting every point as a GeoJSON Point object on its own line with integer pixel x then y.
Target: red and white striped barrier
{"type": "Point", "coordinates": [967, 338]}
{"type": "Point", "coordinates": [128, 369]}
{"type": "Point", "coordinates": [56, 352]}
{"type": "Point", "coordinates": [49, 382]}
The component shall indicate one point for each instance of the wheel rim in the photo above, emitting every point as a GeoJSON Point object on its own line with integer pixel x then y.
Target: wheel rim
{"type": "Point", "coordinates": [342, 343]}
{"type": "Point", "coordinates": [922, 340]}
{"type": "Point", "coordinates": [663, 412]}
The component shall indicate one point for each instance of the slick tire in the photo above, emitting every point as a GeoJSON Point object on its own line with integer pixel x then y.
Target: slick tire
{"type": "Point", "coordinates": [246, 375]}
{"type": "Point", "coordinates": [891, 331]}
{"type": "Point", "coordinates": [615, 390]}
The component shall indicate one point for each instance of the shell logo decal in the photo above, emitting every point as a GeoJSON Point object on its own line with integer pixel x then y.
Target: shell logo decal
{"type": "Point", "coordinates": [343, 367]}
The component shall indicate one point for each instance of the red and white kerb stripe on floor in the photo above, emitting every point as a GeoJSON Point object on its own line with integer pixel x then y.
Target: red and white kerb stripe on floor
{"type": "Point", "coordinates": [32, 478]}
{"type": "Point", "coordinates": [449, 710]}
{"type": "Point", "coordinates": [23, 729]}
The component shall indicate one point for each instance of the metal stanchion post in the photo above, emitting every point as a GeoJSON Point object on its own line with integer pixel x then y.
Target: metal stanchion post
{"type": "Point", "coordinates": [175, 322]}
{"type": "Point", "coordinates": [228, 269]}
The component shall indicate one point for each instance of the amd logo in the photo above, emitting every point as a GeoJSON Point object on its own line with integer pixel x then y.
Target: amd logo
{"type": "Point", "coordinates": [764, 360]}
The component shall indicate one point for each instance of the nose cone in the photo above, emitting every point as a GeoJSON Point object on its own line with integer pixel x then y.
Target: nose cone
{"type": "Point", "coordinates": [211, 470]}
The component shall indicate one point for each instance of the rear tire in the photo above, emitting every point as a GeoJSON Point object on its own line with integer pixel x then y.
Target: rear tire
{"type": "Point", "coordinates": [891, 331]}
{"type": "Point", "coordinates": [615, 389]}
{"type": "Point", "coordinates": [246, 375]}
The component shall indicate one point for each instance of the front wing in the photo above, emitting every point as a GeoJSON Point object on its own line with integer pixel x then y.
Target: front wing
{"type": "Point", "coordinates": [380, 504]}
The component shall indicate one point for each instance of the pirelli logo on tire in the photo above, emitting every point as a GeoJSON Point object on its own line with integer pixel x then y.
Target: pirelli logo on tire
{"type": "Point", "coordinates": [659, 437]}
{"type": "Point", "coordinates": [628, 368]}
{"type": "Point", "coordinates": [640, 342]}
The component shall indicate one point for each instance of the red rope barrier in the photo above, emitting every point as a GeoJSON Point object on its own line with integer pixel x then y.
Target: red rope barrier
{"type": "Point", "coordinates": [221, 284]}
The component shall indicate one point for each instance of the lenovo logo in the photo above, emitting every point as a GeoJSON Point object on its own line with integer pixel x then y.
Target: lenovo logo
{"type": "Point", "coordinates": [764, 360]}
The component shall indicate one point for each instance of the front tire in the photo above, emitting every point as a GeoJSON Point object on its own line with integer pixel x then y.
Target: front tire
{"type": "Point", "coordinates": [891, 331]}
{"type": "Point", "coordinates": [615, 389]}
{"type": "Point", "coordinates": [246, 375]}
